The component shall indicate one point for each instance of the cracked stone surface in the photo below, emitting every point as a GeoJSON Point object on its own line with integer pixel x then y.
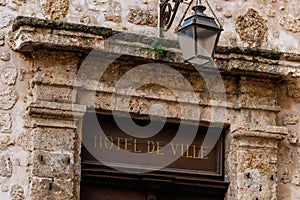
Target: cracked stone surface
{"type": "Point", "coordinates": [251, 28]}
{"type": "Point", "coordinates": [9, 75]}
{"type": "Point", "coordinates": [8, 98]}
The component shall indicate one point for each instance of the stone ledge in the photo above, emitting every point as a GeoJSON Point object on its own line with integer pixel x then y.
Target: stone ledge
{"type": "Point", "coordinates": [57, 110]}
{"type": "Point", "coordinates": [264, 132]}
{"type": "Point", "coordinates": [29, 39]}
{"type": "Point", "coordinates": [21, 21]}
{"type": "Point", "coordinates": [29, 34]}
{"type": "Point", "coordinates": [221, 103]}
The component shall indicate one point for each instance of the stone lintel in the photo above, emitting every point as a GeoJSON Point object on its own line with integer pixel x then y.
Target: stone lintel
{"type": "Point", "coordinates": [54, 187]}
{"type": "Point", "coordinates": [90, 92]}
{"type": "Point", "coordinates": [276, 133]}
{"type": "Point", "coordinates": [57, 110]}
{"type": "Point", "coordinates": [28, 39]}
{"type": "Point", "coordinates": [263, 139]}
{"type": "Point", "coordinates": [29, 34]}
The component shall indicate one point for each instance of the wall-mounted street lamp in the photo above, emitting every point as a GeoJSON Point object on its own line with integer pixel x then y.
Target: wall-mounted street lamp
{"type": "Point", "coordinates": [198, 35]}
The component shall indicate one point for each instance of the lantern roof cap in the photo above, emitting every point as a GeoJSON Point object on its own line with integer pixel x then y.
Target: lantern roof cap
{"type": "Point", "coordinates": [200, 19]}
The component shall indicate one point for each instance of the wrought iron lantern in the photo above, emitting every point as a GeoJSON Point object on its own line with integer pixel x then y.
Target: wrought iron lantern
{"type": "Point", "coordinates": [198, 35]}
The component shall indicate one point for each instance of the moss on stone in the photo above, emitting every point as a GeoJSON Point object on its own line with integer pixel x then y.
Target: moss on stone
{"type": "Point", "coordinates": [43, 23]}
{"type": "Point", "coordinates": [131, 37]}
{"type": "Point", "coordinates": [270, 54]}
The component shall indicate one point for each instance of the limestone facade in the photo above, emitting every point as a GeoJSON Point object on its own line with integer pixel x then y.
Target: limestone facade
{"type": "Point", "coordinates": [43, 100]}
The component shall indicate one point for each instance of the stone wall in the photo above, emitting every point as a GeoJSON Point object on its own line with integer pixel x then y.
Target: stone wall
{"type": "Point", "coordinates": [36, 95]}
{"type": "Point", "coordinates": [289, 166]}
{"type": "Point", "coordinates": [250, 79]}
{"type": "Point", "coordinates": [270, 24]}
{"type": "Point", "coordinates": [13, 159]}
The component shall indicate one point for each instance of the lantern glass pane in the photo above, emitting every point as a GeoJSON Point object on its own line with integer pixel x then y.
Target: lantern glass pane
{"type": "Point", "coordinates": [206, 40]}
{"type": "Point", "coordinates": [187, 42]}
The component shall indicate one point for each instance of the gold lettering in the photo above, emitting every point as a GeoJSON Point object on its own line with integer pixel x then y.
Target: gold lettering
{"type": "Point", "coordinates": [153, 146]}
{"type": "Point", "coordinates": [108, 140]}
{"type": "Point", "coordinates": [135, 147]}
{"type": "Point", "coordinates": [201, 153]}
{"type": "Point", "coordinates": [187, 152]}
{"type": "Point", "coordinates": [119, 143]}
{"type": "Point", "coordinates": [132, 145]}
{"type": "Point", "coordinates": [194, 152]}
{"type": "Point", "coordinates": [158, 148]}
{"type": "Point", "coordinates": [100, 142]}
{"type": "Point", "coordinates": [182, 150]}
{"type": "Point", "coordinates": [126, 144]}
{"type": "Point", "coordinates": [174, 149]}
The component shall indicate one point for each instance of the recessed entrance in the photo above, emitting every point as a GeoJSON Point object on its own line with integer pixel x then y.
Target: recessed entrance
{"type": "Point", "coordinates": [100, 193]}
{"type": "Point", "coordinates": [194, 173]}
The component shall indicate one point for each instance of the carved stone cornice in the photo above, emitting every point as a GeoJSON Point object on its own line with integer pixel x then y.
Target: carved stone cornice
{"type": "Point", "coordinates": [258, 131]}
{"type": "Point", "coordinates": [29, 34]}
{"type": "Point", "coordinates": [258, 136]}
{"type": "Point", "coordinates": [56, 110]}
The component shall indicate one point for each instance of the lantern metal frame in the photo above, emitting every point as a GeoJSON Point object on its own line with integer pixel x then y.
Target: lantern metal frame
{"type": "Point", "coordinates": [198, 22]}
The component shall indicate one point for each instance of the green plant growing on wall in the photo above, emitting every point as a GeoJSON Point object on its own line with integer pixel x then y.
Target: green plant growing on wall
{"type": "Point", "coordinates": [156, 47]}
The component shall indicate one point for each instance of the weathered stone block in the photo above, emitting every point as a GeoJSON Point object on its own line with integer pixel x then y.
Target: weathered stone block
{"type": "Point", "coordinates": [256, 174]}
{"type": "Point", "coordinates": [59, 68]}
{"type": "Point", "coordinates": [52, 189]}
{"type": "Point", "coordinates": [54, 93]}
{"type": "Point", "coordinates": [254, 92]}
{"type": "Point", "coordinates": [85, 19]}
{"type": "Point", "coordinates": [9, 75]}
{"type": "Point", "coordinates": [55, 10]}
{"type": "Point", "coordinates": [53, 139]}
{"type": "Point", "coordinates": [17, 193]}
{"type": "Point", "coordinates": [259, 160]}
{"type": "Point", "coordinates": [53, 165]}
{"type": "Point", "coordinates": [5, 56]}
{"type": "Point", "coordinates": [4, 188]}
{"type": "Point", "coordinates": [91, 99]}
{"type": "Point", "coordinates": [19, 2]}
{"type": "Point", "coordinates": [286, 154]}
{"type": "Point", "coordinates": [114, 7]}
{"type": "Point", "coordinates": [293, 90]}
{"type": "Point", "coordinates": [257, 87]}
{"type": "Point", "coordinates": [142, 17]}
{"type": "Point", "coordinates": [2, 2]}
{"type": "Point", "coordinates": [5, 122]}
{"type": "Point", "coordinates": [24, 140]}
{"type": "Point", "coordinates": [252, 28]}
{"type": "Point", "coordinates": [114, 11]}
{"type": "Point", "coordinates": [113, 18]}
{"type": "Point", "coordinates": [296, 177]}
{"type": "Point", "coordinates": [270, 12]}
{"type": "Point", "coordinates": [5, 141]}
{"type": "Point", "coordinates": [8, 98]}
{"type": "Point", "coordinates": [5, 166]}
{"type": "Point", "coordinates": [283, 174]}
{"type": "Point", "coordinates": [290, 119]}
{"type": "Point", "coordinates": [228, 14]}
{"type": "Point", "coordinates": [2, 38]}
{"type": "Point", "coordinates": [290, 23]}
{"type": "Point", "coordinates": [5, 20]}
{"type": "Point", "coordinates": [293, 137]}
{"type": "Point", "coordinates": [254, 117]}
{"type": "Point", "coordinates": [96, 4]}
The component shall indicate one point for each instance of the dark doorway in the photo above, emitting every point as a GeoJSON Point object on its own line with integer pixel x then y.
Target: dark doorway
{"type": "Point", "coordinates": [179, 181]}
{"type": "Point", "coordinates": [98, 193]}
